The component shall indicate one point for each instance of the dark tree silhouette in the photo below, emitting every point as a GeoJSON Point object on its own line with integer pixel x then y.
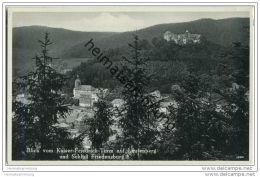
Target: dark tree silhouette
{"type": "Point", "coordinates": [99, 127]}
{"type": "Point", "coordinates": [138, 122]}
{"type": "Point", "coordinates": [34, 123]}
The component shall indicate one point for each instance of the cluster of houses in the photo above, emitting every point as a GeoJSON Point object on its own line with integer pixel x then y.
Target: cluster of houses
{"type": "Point", "coordinates": [88, 95]}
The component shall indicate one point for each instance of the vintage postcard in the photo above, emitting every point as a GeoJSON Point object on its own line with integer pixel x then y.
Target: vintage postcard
{"type": "Point", "coordinates": [130, 85]}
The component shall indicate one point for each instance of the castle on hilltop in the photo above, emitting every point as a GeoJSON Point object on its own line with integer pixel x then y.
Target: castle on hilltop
{"type": "Point", "coordinates": [182, 39]}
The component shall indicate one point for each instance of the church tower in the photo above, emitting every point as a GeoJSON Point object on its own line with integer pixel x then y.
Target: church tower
{"type": "Point", "coordinates": [76, 90]}
{"type": "Point", "coordinates": [187, 34]}
{"type": "Point", "coordinates": [77, 83]}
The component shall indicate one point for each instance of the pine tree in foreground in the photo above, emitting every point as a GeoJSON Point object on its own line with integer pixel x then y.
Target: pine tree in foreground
{"type": "Point", "coordinates": [99, 126]}
{"type": "Point", "coordinates": [138, 123]}
{"type": "Point", "coordinates": [34, 123]}
{"type": "Point", "coordinates": [200, 131]}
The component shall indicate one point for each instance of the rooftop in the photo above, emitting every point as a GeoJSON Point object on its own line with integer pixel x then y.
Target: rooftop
{"type": "Point", "coordinates": [86, 88]}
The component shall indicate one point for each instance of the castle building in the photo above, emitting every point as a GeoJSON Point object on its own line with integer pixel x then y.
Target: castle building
{"type": "Point", "coordinates": [86, 94]}
{"type": "Point", "coordinates": [182, 39]}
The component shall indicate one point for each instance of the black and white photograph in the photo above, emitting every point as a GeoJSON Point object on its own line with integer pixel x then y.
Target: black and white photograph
{"type": "Point", "coordinates": [108, 83]}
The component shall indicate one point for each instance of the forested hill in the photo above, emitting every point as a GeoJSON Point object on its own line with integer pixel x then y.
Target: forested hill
{"type": "Point", "coordinates": [25, 43]}
{"type": "Point", "coordinates": [222, 32]}
{"type": "Point", "coordinates": [69, 44]}
{"type": "Point", "coordinates": [63, 39]}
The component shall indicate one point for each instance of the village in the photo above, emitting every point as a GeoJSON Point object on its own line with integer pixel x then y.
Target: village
{"type": "Point", "coordinates": [86, 95]}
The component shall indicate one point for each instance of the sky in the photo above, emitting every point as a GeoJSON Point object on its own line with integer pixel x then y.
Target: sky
{"type": "Point", "coordinates": [113, 21]}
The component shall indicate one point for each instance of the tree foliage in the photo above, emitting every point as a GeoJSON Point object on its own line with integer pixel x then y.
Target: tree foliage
{"type": "Point", "coordinates": [99, 127]}
{"type": "Point", "coordinates": [34, 122]}
{"type": "Point", "coordinates": [138, 122]}
{"type": "Point", "coordinates": [211, 121]}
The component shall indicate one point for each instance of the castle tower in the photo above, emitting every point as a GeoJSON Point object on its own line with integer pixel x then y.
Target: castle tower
{"type": "Point", "coordinates": [77, 83]}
